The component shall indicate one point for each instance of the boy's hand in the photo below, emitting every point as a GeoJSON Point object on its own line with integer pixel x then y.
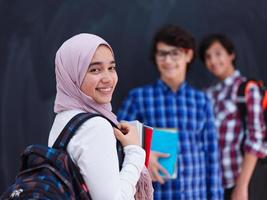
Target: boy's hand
{"type": "Point", "coordinates": [154, 167]}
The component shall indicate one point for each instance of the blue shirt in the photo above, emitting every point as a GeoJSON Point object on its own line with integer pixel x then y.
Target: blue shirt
{"type": "Point", "coordinates": [188, 110]}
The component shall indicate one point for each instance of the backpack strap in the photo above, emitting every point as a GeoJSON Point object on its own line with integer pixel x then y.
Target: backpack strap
{"type": "Point", "coordinates": [69, 131]}
{"type": "Point", "coordinates": [242, 91]}
{"type": "Point", "coordinates": [241, 101]}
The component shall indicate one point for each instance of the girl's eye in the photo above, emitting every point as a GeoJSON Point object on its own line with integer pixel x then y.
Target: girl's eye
{"type": "Point", "coordinates": [112, 68]}
{"type": "Point", "coordinates": [94, 70]}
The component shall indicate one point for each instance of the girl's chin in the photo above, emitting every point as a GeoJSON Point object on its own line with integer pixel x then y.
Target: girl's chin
{"type": "Point", "coordinates": [103, 100]}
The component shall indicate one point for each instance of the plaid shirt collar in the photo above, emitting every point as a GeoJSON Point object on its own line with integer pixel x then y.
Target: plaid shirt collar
{"type": "Point", "coordinates": [227, 82]}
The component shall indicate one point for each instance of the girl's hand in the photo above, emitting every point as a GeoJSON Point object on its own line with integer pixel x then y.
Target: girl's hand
{"type": "Point", "coordinates": [128, 134]}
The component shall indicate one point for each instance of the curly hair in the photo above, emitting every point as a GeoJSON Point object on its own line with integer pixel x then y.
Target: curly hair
{"type": "Point", "coordinates": [174, 36]}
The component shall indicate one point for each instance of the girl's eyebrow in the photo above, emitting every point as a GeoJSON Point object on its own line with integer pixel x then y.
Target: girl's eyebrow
{"type": "Point", "coordinates": [99, 63]}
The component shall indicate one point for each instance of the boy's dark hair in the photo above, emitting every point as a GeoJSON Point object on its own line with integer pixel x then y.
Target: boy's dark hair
{"type": "Point", "coordinates": [211, 39]}
{"type": "Point", "coordinates": [174, 36]}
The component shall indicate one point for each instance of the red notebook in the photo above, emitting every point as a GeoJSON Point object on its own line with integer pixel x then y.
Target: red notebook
{"type": "Point", "coordinates": [147, 140]}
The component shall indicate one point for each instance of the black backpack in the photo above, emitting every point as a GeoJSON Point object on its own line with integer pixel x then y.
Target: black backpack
{"type": "Point", "coordinates": [49, 173]}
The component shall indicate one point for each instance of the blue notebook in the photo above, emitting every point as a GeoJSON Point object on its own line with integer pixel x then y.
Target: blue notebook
{"type": "Point", "coordinates": [165, 140]}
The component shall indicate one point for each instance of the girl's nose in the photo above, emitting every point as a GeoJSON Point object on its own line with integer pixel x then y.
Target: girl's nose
{"type": "Point", "coordinates": [106, 77]}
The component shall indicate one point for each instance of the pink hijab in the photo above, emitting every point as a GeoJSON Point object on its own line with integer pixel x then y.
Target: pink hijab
{"type": "Point", "coordinates": [72, 61]}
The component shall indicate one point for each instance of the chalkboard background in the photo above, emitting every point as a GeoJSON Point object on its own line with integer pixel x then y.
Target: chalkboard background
{"type": "Point", "coordinates": [32, 31]}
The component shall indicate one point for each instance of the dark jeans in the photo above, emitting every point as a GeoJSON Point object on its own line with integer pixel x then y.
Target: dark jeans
{"type": "Point", "coordinates": [258, 183]}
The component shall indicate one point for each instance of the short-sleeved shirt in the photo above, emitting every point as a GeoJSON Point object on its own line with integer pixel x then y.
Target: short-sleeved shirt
{"type": "Point", "coordinates": [190, 112]}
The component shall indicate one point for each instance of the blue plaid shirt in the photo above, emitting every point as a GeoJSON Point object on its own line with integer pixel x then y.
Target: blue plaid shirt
{"type": "Point", "coordinates": [199, 175]}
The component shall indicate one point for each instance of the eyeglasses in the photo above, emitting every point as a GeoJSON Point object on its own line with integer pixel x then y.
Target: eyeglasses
{"type": "Point", "coordinates": [174, 54]}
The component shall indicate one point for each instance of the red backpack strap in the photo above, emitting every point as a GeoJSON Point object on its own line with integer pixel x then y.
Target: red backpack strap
{"type": "Point", "coordinates": [250, 84]}
{"type": "Point", "coordinates": [244, 88]}
{"type": "Point", "coordinates": [242, 92]}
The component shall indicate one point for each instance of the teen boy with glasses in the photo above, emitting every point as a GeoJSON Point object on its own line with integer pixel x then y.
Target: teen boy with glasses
{"type": "Point", "coordinates": [171, 102]}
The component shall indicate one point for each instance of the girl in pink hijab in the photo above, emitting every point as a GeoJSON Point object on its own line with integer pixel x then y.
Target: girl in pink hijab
{"type": "Point", "coordinates": [86, 78]}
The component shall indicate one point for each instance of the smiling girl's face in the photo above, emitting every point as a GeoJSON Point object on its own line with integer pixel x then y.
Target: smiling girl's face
{"type": "Point", "coordinates": [101, 77]}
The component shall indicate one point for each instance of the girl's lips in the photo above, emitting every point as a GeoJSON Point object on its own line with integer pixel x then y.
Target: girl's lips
{"type": "Point", "coordinates": [105, 89]}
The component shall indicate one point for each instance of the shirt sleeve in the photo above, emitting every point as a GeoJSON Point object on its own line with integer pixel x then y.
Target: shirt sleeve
{"type": "Point", "coordinates": [129, 109]}
{"type": "Point", "coordinates": [93, 149]}
{"type": "Point", "coordinates": [256, 129]}
{"type": "Point", "coordinates": [213, 169]}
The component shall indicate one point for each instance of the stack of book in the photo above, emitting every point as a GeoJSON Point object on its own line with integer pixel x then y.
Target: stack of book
{"type": "Point", "coordinates": [163, 140]}
{"type": "Point", "coordinates": [145, 137]}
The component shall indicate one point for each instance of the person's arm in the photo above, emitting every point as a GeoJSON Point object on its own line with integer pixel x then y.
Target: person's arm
{"type": "Point", "coordinates": [242, 183]}
{"type": "Point", "coordinates": [213, 169]}
{"type": "Point", "coordinates": [253, 147]}
{"type": "Point", "coordinates": [93, 149]}
{"type": "Point", "coordinates": [256, 129]}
